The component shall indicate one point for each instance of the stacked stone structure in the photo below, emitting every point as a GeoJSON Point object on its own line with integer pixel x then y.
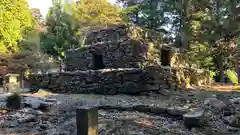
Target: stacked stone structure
{"type": "Point", "coordinates": [121, 46]}
{"type": "Point", "coordinates": [121, 59]}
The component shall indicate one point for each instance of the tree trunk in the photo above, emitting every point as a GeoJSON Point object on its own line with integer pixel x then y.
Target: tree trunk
{"type": "Point", "coordinates": [238, 71]}
{"type": "Point", "coordinates": [60, 67]}
{"type": "Point", "coordinates": [136, 17]}
{"type": "Point", "coordinates": [221, 68]}
{"type": "Point", "coordinates": [184, 25]}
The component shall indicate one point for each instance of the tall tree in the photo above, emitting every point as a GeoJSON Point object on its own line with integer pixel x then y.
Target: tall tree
{"type": "Point", "coordinates": [15, 21]}
{"type": "Point", "coordinates": [97, 13]}
{"type": "Point", "coordinates": [61, 31]}
{"type": "Point", "coordinates": [221, 31]}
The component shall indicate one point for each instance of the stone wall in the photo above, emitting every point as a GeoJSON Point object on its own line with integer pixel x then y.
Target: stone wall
{"type": "Point", "coordinates": [114, 55]}
{"type": "Point", "coordinates": [107, 81]}
{"type": "Point", "coordinates": [121, 46]}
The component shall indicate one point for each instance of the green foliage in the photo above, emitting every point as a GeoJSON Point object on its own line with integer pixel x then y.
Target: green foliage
{"type": "Point", "coordinates": [61, 31]}
{"type": "Point", "coordinates": [14, 101]}
{"type": "Point", "coordinates": [27, 74]}
{"type": "Point", "coordinates": [199, 56]}
{"type": "Point", "coordinates": [212, 74]}
{"type": "Point", "coordinates": [15, 20]}
{"type": "Point", "coordinates": [98, 13]}
{"type": "Point", "coordinates": [232, 76]}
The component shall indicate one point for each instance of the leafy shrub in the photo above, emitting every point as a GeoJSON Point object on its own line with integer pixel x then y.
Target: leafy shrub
{"type": "Point", "coordinates": [212, 74]}
{"type": "Point", "coordinates": [13, 101]}
{"type": "Point", "coordinates": [232, 76]}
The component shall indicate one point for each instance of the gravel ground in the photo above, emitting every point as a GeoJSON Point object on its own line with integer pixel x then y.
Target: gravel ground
{"type": "Point", "coordinates": [62, 120]}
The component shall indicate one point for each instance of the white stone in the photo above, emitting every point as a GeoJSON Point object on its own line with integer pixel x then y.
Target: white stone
{"type": "Point", "coordinates": [194, 114]}
{"type": "Point", "coordinates": [28, 118]}
{"type": "Point", "coordinates": [35, 102]}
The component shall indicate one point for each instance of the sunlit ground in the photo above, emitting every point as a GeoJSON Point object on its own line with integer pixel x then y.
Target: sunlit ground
{"type": "Point", "coordinates": [221, 87]}
{"type": "Point", "coordinates": [40, 93]}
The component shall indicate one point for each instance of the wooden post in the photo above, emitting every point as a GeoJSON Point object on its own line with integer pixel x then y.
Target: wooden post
{"type": "Point", "coordinates": [87, 121]}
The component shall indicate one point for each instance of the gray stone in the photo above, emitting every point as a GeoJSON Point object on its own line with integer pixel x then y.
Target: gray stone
{"type": "Point", "coordinates": [233, 120]}
{"type": "Point", "coordinates": [43, 126]}
{"type": "Point", "coordinates": [194, 118]}
{"type": "Point", "coordinates": [235, 100]}
{"type": "Point", "coordinates": [27, 118]}
{"type": "Point", "coordinates": [29, 111]}
{"type": "Point", "coordinates": [36, 102]}
{"type": "Point", "coordinates": [64, 133]}
{"type": "Point", "coordinates": [3, 104]}
{"type": "Point", "coordinates": [215, 103]}
{"type": "Point", "coordinates": [158, 110]}
{"type": "Point", "coordinates": [142, 108]}
{"type": "Point", "coordinates": [173, 125]}
{"type": "Point", "coordinates": [2, 123]}
{"type": "Point", "coordinates": [177, 111]}
{"type": "Point", "coordinates": [12, 123]}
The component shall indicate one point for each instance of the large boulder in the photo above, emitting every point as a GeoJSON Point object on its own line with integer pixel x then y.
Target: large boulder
{"type": "Point", "coordinates": [194, 118]}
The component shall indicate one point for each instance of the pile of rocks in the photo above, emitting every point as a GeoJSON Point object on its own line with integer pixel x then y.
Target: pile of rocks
{"type": "Point", "coordinates": [30, 101]}
{"type": "Point", "coordinates": [216, 115]}
{"type": "Point", "coordinates": [33, 117]}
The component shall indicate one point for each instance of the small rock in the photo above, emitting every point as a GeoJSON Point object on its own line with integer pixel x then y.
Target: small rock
{"type": "Point", "coordinates": [50, 100]}
{"type": "Point", "coordinates": [232, 129]}
{"type": "Point", "coordinates": [3, 104]}
{"type": "Point", "coordinates": [235, 100]}
{"type": "Point", "coordinates": [228, 119]}
{"type": "Point", "coordinates": [13, 123]}
{"type": "Point", "coordinates": [65, 133]}
{"type": "Point", "coordinates": [28, 118]}
{"type": "Point", "coordinates": [35, 102]}
{"type": "Point", "coordinates": [142, 108]}
{"type": "Point", "coordinates": [228, 111]}
{"type": "Point", "coordinates": [214, 102]}
{"type": "Point", "coordinates": [158, 110]}
{"type": "Point", "coordinates": [196, 130]}
{"type": "Point", "coordinates": [233, 121]}
{"type": "Point", "coordinates": [177, 111]}
{"type": "Point", "coordinates": [29, 111]}
{"type": "Point", "coordinates": [2, 123]}
{"type": "Point", "coordinates": [173, 125]}
{"type": "Point", "coordinates": [43, 126]}
{"type": "Point", "coordinates": [194, 118]}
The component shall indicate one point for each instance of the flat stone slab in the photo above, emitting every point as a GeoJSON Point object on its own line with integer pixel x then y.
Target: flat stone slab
{"type": "Point", "coordinates": [177, 111]}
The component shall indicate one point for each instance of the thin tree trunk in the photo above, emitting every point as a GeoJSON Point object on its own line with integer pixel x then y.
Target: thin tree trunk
{"type": "Point", "coordinates": [184, 27]}
{"type": "Point", "coordinates": [221, 68]}
{"type": "Point", "coordinates": [136, 17]}
{"type": "Point", "coordinates": [238, 71]}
